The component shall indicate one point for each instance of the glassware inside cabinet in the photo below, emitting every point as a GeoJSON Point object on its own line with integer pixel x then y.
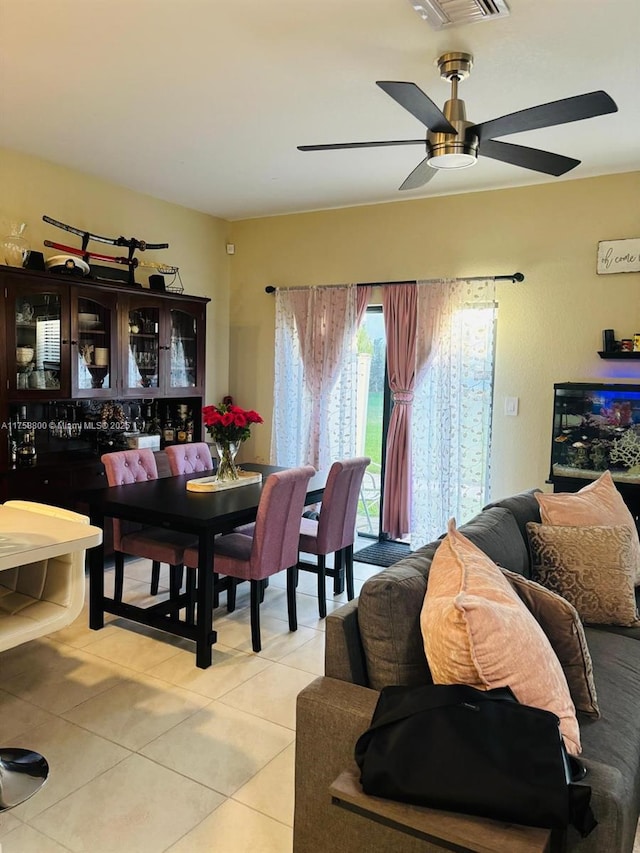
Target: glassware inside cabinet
{"type": "Point", "coordinates": [14, 249]}
{"type": "Point", "coordinates": [94, 335]}
{"type": "Point", "coordinates": [183, 350]}
{"type": "Point", "coordinates": [37, 331]}
{"type": "Point", "coordinates": [144, 347]}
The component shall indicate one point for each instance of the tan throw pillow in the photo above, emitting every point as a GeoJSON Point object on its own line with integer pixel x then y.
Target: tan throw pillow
{"type": "Point", "coordinates": [599, 503]}
{"type": "Point", "coordinates": [592, 567]}
{"type": "Point", "coordinates": [477, 631]}
{"type": "Point", "coordinates": [561, 624]}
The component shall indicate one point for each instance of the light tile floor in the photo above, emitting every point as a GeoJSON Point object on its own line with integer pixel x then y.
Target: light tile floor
{"type": "Point", "coordinates": [147, 752]}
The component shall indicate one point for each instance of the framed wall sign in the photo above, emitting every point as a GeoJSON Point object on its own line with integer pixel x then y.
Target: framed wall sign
{"type": "Point", "coordinates": [618, 256]}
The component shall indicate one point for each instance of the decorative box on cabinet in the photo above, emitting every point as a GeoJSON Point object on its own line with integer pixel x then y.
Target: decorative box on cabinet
{"type": "Point", "coordinates": [596, 427]}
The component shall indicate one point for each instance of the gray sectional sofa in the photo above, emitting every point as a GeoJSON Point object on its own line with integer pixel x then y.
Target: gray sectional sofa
{"type": "Point", "coordinates": [376, 640]}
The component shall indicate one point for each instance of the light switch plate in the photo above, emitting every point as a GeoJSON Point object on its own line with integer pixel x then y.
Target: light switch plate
{"type": "Point", "coordinates": [511, 406]}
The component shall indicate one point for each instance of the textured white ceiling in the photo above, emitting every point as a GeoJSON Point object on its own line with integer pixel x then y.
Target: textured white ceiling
{"type": "Point", "coordinates": [203, 102]}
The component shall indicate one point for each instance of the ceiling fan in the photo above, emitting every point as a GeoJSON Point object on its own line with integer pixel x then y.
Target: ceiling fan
{"type": "Point", "coordinates": [452, 142]}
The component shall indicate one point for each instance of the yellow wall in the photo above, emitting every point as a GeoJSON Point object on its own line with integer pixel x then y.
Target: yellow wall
{"type": "Point", "coordinates": [549, 327]}
{"type": "Point", "coordinates": [30, 187]}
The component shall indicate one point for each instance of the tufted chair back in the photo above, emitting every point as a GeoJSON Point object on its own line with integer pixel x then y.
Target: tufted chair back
{"type": "Point", "coordinates": [128, 466]}
{"type": "Point", "coordinates": [189, 458]}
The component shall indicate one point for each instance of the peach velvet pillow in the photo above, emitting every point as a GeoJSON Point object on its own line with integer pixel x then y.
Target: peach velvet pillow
{"type": "Point", "coordinates": [477, 631]}
{"type": "Point", "coordinates": [599, 504]}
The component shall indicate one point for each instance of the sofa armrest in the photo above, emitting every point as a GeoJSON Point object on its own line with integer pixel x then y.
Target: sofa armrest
{"type": "Point", "coordinates": [331, 715]}
{"type": "Point", "coordinates": [462, 832]}
{"type": "Point", "coordinates": [344, 655]}
{"type": "Point", "coordinates": [615, 809]}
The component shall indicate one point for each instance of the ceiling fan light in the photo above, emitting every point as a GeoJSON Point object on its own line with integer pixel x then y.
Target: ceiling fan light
{"type": "Point", "coordinates": [455, 160]}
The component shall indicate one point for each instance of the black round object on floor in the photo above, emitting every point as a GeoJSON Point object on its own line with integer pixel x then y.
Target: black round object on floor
{"type": "Point", "coordinates": [22, 774]}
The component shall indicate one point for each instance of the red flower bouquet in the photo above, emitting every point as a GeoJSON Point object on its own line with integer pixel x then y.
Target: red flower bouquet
{"type": "Point", "coordinates": [228, 422]}
{"type": "Point", "coordinates": [228, 426]}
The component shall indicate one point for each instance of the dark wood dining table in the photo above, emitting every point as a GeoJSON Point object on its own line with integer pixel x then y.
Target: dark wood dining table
{"type": "Point", "coordinates": [166, 502]}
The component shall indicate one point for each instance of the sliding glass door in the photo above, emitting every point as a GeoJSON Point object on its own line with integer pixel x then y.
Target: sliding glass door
{"type": "Point", "coordinates": [374, 403]}
{"type": "Point", "coordinates": [451, 420]}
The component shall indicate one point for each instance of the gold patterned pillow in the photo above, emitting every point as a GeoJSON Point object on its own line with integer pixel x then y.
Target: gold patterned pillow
{"type": "Point", "coordinates": [592, 567]}
{"type": "Point", "coordinates": [598, 503]}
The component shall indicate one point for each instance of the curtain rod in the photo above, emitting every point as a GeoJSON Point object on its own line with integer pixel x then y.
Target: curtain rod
{"type": "Point", "coordinates": [514, 277]}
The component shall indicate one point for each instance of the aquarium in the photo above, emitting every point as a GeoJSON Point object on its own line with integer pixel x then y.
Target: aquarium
{"type": "Point", "coordinates": [596, 428]}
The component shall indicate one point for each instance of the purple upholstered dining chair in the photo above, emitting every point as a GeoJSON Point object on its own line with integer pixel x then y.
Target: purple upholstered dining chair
{"type": "Point", "coordinates": [273, 546]}
{"type": "Point", "coordinates": [152, 543]}
{"type": "Point", "coordinates": [189, 458]}
{"type": "Point", "coordinates": [334, 531]}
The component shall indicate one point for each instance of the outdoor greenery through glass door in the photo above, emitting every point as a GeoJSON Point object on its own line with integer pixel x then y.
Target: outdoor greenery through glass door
{"type": "Point", "coordinates": [373, 417]}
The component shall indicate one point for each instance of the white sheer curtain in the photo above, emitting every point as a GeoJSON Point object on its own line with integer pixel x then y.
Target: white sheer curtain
{"type": "Point", "coordinates": [451, 427]}
{"type": "Point", "coordinates": [315, 389]}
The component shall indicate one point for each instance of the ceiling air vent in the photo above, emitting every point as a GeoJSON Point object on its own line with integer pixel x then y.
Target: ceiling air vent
{"type": "Point", "coordinates": [455, 13]}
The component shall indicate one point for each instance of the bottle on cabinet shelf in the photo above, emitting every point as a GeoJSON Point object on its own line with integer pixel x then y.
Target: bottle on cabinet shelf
{"type": "Point", "coordinates": [145, 425]}
{"type": "Point", "coordinates": [154, 421]}
{"type": "Point", "coordinates": [26, 455]}
{"type": "Point", "coordinates": [168, 430]}
{"type": "Point", "coordinates": [13, 445]}
{"type": "Point", "coordinates": [181, 431]}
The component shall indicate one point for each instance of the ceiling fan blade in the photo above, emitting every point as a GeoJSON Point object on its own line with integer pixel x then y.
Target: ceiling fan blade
{"type": "Point", "coordinates": [337, 145]}
{"type": "Point", "coordinates": [546, 115]}
{"type": "Point", "coordinates": [421, 175]}
{"type": "Point", "coordinates": [528, 158]}
{"type": "Point", "coordinates": [412, 98]}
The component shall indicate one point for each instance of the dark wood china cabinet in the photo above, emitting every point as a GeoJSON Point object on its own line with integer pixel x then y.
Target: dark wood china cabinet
{"type": "Point", "coordinates": [86, 365]}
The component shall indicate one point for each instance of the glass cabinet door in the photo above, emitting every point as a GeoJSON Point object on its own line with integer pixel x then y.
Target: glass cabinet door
{"type": "Point", "coordinates": [183, 369]}
{"type": "Point", "coordinates": [143, 348]}
{"type": "Point", "coordinates": [93, 366]}
{"type": "Point", "coordinates": [38, 341]}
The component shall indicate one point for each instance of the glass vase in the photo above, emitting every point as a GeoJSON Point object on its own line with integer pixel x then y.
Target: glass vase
{"type": "Point", "coordinates": [15, 247]}
{"type": "Point", "coordinates": [227, 451]}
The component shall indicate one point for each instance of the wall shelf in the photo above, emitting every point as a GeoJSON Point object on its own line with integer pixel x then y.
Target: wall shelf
{"type": "Point", "coordinates": [628, 356]}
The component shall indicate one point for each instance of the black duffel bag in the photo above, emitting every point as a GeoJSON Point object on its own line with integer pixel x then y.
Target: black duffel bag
{"type": "Point", "coordinates": [476, 752]}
